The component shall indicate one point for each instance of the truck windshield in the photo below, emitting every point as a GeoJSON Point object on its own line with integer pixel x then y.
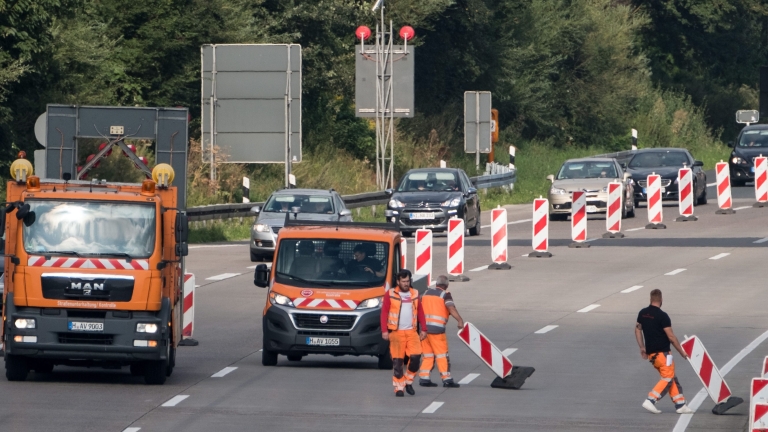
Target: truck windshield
{"type": "Point", "coordinates": [91, 228]}
{"type": "Point", "coordinates": [331, 263]}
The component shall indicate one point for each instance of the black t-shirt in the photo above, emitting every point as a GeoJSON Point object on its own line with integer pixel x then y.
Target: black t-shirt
{"type": "Point", "coordinates": [654, 321]}
{"type": "Point", "coordinates": [357, 268]}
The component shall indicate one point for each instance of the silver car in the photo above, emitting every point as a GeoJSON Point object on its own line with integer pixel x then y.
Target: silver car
{"type": "Point", "coordinates": [309, 204]}
{"type": "Point", "coordinates": [592, 176]}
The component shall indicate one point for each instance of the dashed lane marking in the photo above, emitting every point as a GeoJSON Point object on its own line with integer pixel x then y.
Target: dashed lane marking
{"type": "Point", "coordinates": [434, 406]}
{"type": "Point", "coordinates": [508, 352]}
{"type": "Point", "coordinates": [742, 208]}
{"type": "Point", "coordinates": [762, 240]}
{"type": "Point", "coordinates": [251, 267]}
{"type": "Point", "coordinates": [172, 402]}
{"type": "Point", "coordinates": [510, 223]}
{"type": "Point", "coordinates": [711, 184]}
{"type": "Point", "coordinates": [718, 256]}
{"type": "Point", "coordinates": [131, 429]}
{"type": "Point", "coordinates": [481, 268]}
{"type": "Point", "coordinates": [630, 289]}
{"type": "Point", "coordinates": [635, 229]}
{"type": "Point", "coordinates": [588, 308]}
{"type": "Point", "coordinates": [674, 272]}
{"type": "Point", "coordinates": [469, 378]}
{"type": "Point", "coordinates": [223, 372]}
{"type": "Point", "coordinates": [546, 329]}
{"type": "Point", "coordinates": [223, 276]}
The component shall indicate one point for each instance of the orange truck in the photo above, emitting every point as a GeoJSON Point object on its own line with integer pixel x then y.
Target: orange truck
{"type": "Point", "coordinates": [93, 274]}
{"type": "Point", "coordinates": [326, 286]}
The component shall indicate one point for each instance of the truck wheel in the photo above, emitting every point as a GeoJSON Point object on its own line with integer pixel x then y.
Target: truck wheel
{"type": "Point", "coordinates": [156, 371]}
{"type": "Point", "coordinates": [171, 362]}
{"type": "Point", "coordinates": [137, 369]}
{"type": "Point", "coordinates": [43, 368]}
{"type": "Point", "coordinates": [268, 358]}
{"type": "Point", "coordinates": [16, 368]}
{"type": "Point", "coordinates": [385, 361]}
{"type": "Point", "coordinates": [294, 357]}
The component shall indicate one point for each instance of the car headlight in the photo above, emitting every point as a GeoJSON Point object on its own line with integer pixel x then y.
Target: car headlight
{"type": "Point", "coordinates": [25, 323]}
{"type": "Point", "coordinates": [556, 191]}
{"type": "Point", "coordinates": [393, 203]}
{"type": "Point", "coordinates": [261, 228]}
{"type": "Point", "coordinates": [280, 299]}
{"type": "Point", "coordinates": [146, 328]}
{"type": "Point", "coordinates": [370, 303]}
{"type": "Point", "coordinates": [738, 160]}
{"type": "Point", "coordinates": [451, 202]}
{"type": "Point", "coordinates": [605, 189]}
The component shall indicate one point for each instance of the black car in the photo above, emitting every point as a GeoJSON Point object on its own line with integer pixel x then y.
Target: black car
{"type": "Point", "coordinates": [428, 197]}
{"type": "Point", "coordinates": [666, 162]}
{"type": "Point", "coordinates": [752, 141]}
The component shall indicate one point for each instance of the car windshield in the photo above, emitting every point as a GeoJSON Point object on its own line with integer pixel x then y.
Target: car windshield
{"type": "Point", "coordinates": [91, 228]}
{"type": "Point", "coordinates": [283, 203]}
{"type": "Point", "coordinates": [331, 263]}
{"type": "Point", "coordinates": [429, 181]}
{"type": "Point", "coordinates": [585, 170]}
{"type": "Point", "coordinates": [754, 138]}
{"type": "Point", "coordinates": [659, 159]}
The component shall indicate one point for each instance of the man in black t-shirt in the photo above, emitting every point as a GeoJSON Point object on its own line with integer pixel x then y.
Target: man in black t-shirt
{"type": "Point", "coordinates": [653, 332]}
{"type": "Point", "coordinates": [362, 265]}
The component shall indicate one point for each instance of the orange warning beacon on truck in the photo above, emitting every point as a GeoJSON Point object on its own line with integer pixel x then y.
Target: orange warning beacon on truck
{"type": "Point", "coordinates": [93, 274]}
{"type": "Point", "coordinates": [326, 287]}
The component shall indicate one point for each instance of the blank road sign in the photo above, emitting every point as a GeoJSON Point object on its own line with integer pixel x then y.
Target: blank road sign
{"type": "Point", "coordinates": [477, 122]}
{"type": "Point", "coordinates": [365, 81]}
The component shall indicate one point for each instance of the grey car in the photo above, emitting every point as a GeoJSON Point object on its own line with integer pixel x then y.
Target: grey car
{"type": "Point", "coordinates": [309, 204]}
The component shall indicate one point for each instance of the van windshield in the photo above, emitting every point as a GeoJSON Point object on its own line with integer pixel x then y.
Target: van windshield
{"type": "Point", "coordinates": [331, 262]}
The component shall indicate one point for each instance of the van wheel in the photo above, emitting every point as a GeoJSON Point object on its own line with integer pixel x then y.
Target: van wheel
{"type": "Point", "coordinates": [255, 257]}
{"type": "Point", "coordinates": [16, 368]}
{"type": "Point", "coordinates": [268, 358]}
{"type": "Point", "coordinates": [295, 357]}
{"type": "Point", "coordinates": [385, 361]}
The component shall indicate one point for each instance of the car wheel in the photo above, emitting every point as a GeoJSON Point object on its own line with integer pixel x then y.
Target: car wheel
{"type": "Point", "coordinates": [631, 211]}
{"type": "Point", "coordinates": [255, 257]}
{"type": "Point", "coordinates": [702, 200]}
{"type": "Point", "coordinates": [475, 230]}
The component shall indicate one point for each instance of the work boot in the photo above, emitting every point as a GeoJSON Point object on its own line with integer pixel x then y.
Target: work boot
{"type": "Point", "coordinates": [427, 383]}
{"type": "Point", "coordinates": [684, 410]}
{"type": "Point", "coordinates": [451, 384]}
{"type": "Point", "coordinates": [650, 406]}
{"type": "Point", "coordinates": [399, 393]}
{"type": "Point", "coordinates": [409, 389]}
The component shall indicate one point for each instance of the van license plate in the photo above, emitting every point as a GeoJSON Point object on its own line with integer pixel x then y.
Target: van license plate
{"type": "Point", "coordinates": [86, 326]}
{"type": "Point", "coordinates": [318, 341]}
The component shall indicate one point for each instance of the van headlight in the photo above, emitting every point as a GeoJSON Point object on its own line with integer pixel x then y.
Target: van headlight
{"type": "Point", "coordinates": [370, 303]}
{"type": "Point", "coordinates": [280, 299]}
{"type": "Point", "coordinates": [146, 328]}
{"type": "Point", "coordinates": [261, 228]}
{"type": "Point", "coordinates": [25, 323]}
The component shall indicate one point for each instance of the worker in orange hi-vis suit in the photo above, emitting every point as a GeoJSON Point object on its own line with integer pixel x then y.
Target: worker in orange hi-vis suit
{"type": "Point", "coordinates": [438, 305]}
{"type": "Point", "coordinates": [401, 316]}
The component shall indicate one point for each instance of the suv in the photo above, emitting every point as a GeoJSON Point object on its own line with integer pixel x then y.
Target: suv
{"type": "Point", "coordinates": [309, 204]}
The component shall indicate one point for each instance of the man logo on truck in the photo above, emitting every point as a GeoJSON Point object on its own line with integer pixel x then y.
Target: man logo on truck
{"type": "Point", "coordinates": [86, 289]}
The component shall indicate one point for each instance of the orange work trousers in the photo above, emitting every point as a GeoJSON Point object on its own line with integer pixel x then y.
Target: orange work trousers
{"type": "Point", "coordinates": [402, 343]}
{"type": "Point", "coordinates": [435, 347]}
{"type": "Point", "coordinates": [666, 366]}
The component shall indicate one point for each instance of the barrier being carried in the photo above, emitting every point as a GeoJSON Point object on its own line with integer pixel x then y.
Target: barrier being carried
{"type": "Point", "coordinates": [456, 250]}
{"type": "Point", "coordinates": [724, 188]}
{"type": "Point", "coordinates": [710, 375]}
{"type": "Point", "coordinates": [540, 228]}
{"type": "Point", "coordinates": [579, 220]}
{"type": "Point", "coordinates": [423, 254]}
{"type": "Point", "coordinates": [655, 210]}
{"type": "Point", "coordinates": [685, 195]}
{"type": "Point", "coordinates": [614, 210]}
{"type": "Point", "coordinates": [499, 240]}
{"type": "Point", "coordinates": [508, 376]}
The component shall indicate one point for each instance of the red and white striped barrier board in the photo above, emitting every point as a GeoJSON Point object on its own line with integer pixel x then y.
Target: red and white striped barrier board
{"type": "Point", "coordinates": [540, 225]}
{"type": "Point", "coordinates": [188, 321]}
{"type": "Point", "coordinates": [761, 179]}
{"type": "Point", "coordinates": [653, 188]}
{"type": "Point", "coordinates": [758, 418]}
{"type": "Point", "coordinates": [403, 253]}
{"type": "Point", "coordinates": [423, 254]}
{"type": "Point", "coordinates": [723, 185]}
{"type": "Point", "coordinates": [485, 349]}
{"type": "Point", "coordinates": [705, 368]}
{"type": "Point", "coordinates": [455, 246]}
{"type": "Point", "coordinates": [758, 394]}
{"type": "Point", "coordinates": [578, 216]}
{"type": "Point", "coordinates": [499, 235]}
{"type": "Point", "coordinates": [613, 216]}
{"type": "Point", "coordinates": [685, 188]}
{"type": "Point", "coordinates": [765, 368]}
{"type": "Point", "coordinates": [309, 303]}
{"type": "Point", "coordinates": [88, 263]}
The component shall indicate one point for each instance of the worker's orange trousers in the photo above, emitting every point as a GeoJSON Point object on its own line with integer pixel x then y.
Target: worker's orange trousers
{"type": "Point", "coordinates": [668, 383]}
{"type": "Point", "coordinates": [402, 343]}
{"type": "Point", "coordinates": [435, 347]}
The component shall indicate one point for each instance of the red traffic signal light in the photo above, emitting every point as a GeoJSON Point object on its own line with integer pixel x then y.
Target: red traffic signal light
{"type": "Point", "coordinates": [363, 32]}
{"type": "Point", "coordinates": [407, 33]}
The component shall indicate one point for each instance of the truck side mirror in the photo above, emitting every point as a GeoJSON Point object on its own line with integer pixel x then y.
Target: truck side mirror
{"type": "Point", "coordinates": [182, 228]}
{"type": "Point", "coordinates": [182, 249]}
{"type": "Point", "coordinates": [261, 276]}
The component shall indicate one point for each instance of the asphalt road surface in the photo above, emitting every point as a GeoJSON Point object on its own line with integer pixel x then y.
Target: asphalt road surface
{"type": "Point", "coordinates": [589, 374]}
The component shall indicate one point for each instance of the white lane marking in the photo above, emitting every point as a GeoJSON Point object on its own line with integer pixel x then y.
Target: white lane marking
{"type": "Point", "coordinates": [175, 400]}
{"type": "Point", "coordinates": [630, 289]}
{"type": "Point", "coordinates": [223, 372]}
{"type": "Point", "coordinates": [588, 308]}
{"type": "Point", "coordinates": [468, 379]}
{"type": "Point", "coordinates": [223, 276]}
{"type": "Point", "coordinates": [711, 184]}
{"type": "Point", "coordinates": [510, 223]}
{"type": "Point", "coordinates": [762, 240]}
{"type": "Point", "coordinates": [683, 420]}
{"type": "Point", "coordinates": [590, 240]}
{"type": "Point", "coordinates": [217, 246]}
{"type": "Point", "coordinates": [481, 268]}
{"type": "Point", "coordinates": [262, 349]}
{"type": "Point", "coordinates": [434, 406]}
{"type": "Point", "coordinates": [251, 267]}
{"type": "Point", "coordinates": [635, 229]}
{"type": "Point", "coordinates": [197, 286]}
{"type": "Point", "coordinates": [545, 329]}
{"type": "Point", "coordinates": [131, 429]}
{"type": "Point", "coordinates": [718, 256]}
{"type": "Point", "coordinates": [525, 255]}
{"type": "Point", "coordinates": [674, 272]}
{"type": "Point", "coordinates": [742, 208]}
{"type": "Point", "coordinates": [508, 352]}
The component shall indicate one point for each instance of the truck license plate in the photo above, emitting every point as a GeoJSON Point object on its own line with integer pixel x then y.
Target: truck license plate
{"type": "Point", "coordinates": [86, 326]}
{"type": "Point", "coordinates": [422, 216]}
{"type": "Point", "coordinates": [319, 341]}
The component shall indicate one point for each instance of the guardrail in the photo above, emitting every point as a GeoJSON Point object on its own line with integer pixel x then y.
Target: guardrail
{"type": "Point", "coordinates": [227, 211]}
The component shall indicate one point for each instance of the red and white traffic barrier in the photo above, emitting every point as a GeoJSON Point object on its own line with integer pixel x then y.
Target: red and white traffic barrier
{"type": "Point", "coordinates": [724, 188]}
{"type": "Point", "coordinates": [540, 228]}
{"type": "Point", "coordinates": [758, 394]}
{"type": "Point", "coordinates": [579, 219]}
{"type": "Point", "coordinates": [655, 211]}
{"type": "Point", "coordinates": [508, 376]}
{"type": "Point", "coordinates": [613, 215]}
{"type": "Point", "coordinates": [423, 254]}
{"type": "Point", "coordinates": [188, 311]}
{"type": "Point", "coordinates": [764, 374]}
{"type": "Point", "coordinates": [499, 239]}
{"type": "Point", "coordinates": [456, 250]}
{"type": "Point", "coordinates": [685, 195]}
{"type": "Point", "coordinates": [403, 252]}
{"type": "Point", "coordinates": [758, 418]}
{"type": "Point", "coordinates": [709, 375]}
{"type": "Point", "coordinates": [761, 181]}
